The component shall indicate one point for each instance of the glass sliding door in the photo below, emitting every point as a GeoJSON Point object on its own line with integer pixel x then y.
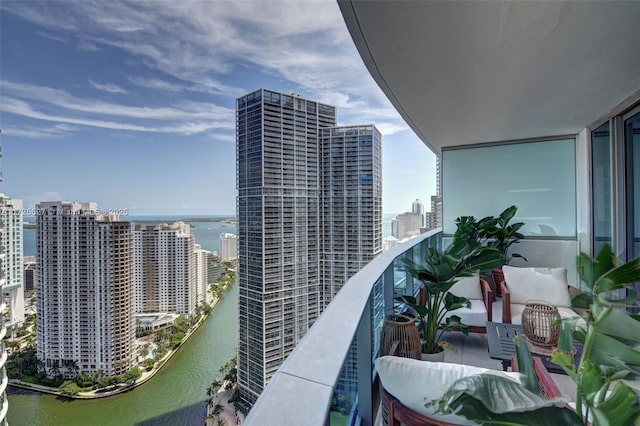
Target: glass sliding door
{"type": "Point", "coordinates": [631, 126]}
{"type": "Point", "coordinates": [601, 186]}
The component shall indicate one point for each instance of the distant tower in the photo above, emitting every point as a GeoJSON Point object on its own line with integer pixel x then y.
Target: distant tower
{"type": "Point", "coordinates": [418, 207]}
{"type": "Point", "coordinates": [85, 317]}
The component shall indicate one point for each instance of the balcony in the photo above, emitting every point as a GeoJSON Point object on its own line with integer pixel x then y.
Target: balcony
{"type": "Point", "coordinates": [344, 342]}
{"type": "Point", "coordinates": [308, 378]}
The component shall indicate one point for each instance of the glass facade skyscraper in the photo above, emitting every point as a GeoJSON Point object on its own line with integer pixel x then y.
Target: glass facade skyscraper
{"type": "Point", "coordinates": [295, 168]}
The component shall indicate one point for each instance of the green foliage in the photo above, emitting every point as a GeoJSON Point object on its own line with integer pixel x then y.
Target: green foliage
{"type": "Point", "coordinates": [495, 232]}
{"type": "Point", "coordinates": [342, 403]}
{"type": "Point", "coordinates": [438, 273]}
{"type": "Point", "coordinates": [611, 343]}
{"type": "Point", "coordinates": [69, 387]}
{"type": "Point", "coordinates": [148, 364]}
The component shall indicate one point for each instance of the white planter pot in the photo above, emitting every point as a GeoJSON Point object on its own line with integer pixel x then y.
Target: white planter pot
{"type": "Point", "coordinates": [437, 357]}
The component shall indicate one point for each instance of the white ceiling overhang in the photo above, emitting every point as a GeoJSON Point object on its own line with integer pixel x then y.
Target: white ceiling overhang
{"type": "Point", "coordinates": [466, 72]}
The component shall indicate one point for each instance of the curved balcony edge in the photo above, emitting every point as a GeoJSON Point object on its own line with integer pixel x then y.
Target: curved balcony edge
{"type": "Point", "coordinates": [308, 377]}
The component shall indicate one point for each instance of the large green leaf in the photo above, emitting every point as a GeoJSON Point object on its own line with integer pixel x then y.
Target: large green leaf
{"type": "Point", "coordinates": [620, 408]}
{"type": "Point", "coordinates": [619, 277]}
{"type": "Point", "coordinates": [619, 324]}
{"type": "Point", "coordinates": [496, 400]}
{"type": "Point", "coordinates": [529, 377]}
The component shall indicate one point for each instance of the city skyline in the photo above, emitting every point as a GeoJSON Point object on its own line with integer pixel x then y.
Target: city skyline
{"type": "Point", "coordinates": [147, 115]}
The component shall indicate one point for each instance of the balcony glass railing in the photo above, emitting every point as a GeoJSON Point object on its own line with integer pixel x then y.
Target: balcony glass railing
{"type": "Point", "coordinates": [329, 377]}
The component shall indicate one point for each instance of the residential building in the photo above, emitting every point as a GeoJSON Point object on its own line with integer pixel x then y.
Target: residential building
{"type": "Point", "coordinates": [164, 268]}
{"type": "Point", "coordinates": [435, 215]}
{"type": "Point", "coordinates": [215, 268]}
{"type": "Point", "coordinates": [228, 246]}
{"type": "Point", "coordinates": [289, 160]}
{"type": "Point", "coordinates": [201, 273]}
{"type": "Point", "coordinates": [12, 262]}
{"type": "Point", "coordinates": [29, 273]}
{"type": "Point", "coordinates": [528, 104]}
{"type": "Point", "coordinates": [406, 225]}
{"type": "Point", "coordinates": [351, 203]}
{"type": "Point", "coordinates": [85, 316]}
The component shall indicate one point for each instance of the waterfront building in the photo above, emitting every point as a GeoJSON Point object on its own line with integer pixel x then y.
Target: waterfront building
{"type": "Point", "coordinates": [285, 148]}
{"type": "Point", "coordinates": [228, 247]}
{"type": "Point", "coordinates": [12, 262]}
{"type": "Point", "coordinates": [201, 272]}
{"type": "Point", "coordinates": [215, 268]}
{"type": "Point", "coordinates": [29, 273]}
{"type": "Point", "coordinates": [164, 268]}
{"type": "Point", "coordinates": [85, 316]}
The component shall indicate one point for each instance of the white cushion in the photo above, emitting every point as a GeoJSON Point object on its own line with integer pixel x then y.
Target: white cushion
{"type": "Point", "coordinates": [468, 287]}
{"type": "Point", "coordinates": [545, 284]}
{"type": "Point", "coordinates": [414, 382]}
{"type": "Point", "coordinates": [476, 315]}
{"type": "Point", "coordinates": [516, 315]}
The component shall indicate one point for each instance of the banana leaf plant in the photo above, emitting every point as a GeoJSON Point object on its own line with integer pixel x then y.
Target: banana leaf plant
{"type": "Point", "coordinates": [438, 273]}
{"type": "Point", "coordinates": [611, 342]}
{"type": "Point", "coordinates": [611, 353]}
{"type": "Point", "coordinates": [502, 234]}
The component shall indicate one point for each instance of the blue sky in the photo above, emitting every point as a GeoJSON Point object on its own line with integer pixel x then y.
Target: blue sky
{"type": "Point", "coordinates": [131, 104]}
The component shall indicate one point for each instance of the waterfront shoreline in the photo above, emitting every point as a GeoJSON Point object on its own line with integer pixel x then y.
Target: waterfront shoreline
{"type": "Point", "coordinates": [146, 376]}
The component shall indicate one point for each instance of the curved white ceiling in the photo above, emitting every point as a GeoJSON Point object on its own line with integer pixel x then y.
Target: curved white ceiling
{"type": "Point", "coordinates": [472, 72]}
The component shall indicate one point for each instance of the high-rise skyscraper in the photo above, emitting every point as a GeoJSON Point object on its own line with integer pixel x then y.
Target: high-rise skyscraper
{"type": "Point", "coordinates": [12, 262]}
{"type": "Point", "coordinates": [164, 268]}
{"type": "Point", "coordinates": [351, 203]}
{"type": "Point", "coordinates": [85, 316]}
{"type": "Point", "coordinates": [294, 253]}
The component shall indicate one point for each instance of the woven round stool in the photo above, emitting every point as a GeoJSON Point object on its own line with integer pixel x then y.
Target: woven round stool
{"type": "Point", "coordinates": [538, 320]}
{"type": "Point", "coordinates": [402, 329]}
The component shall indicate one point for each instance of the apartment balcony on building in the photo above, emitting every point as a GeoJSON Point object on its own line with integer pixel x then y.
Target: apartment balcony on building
{"type": "Point", "coordinates": [533, 104]}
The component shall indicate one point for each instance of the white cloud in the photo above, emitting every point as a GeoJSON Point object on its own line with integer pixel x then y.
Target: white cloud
{"type": "Point", "coordinates": [187, 110]}
{"type": "Point", "coordinates": [198, 46]}
{"type": "Point", "coordinates": [108, 87]}
{"type": "Point", "coordinates": [32, 132]}
{"type": "Point", "coordinates": [50, 36]}
{"type": "Point", "coordinates": [188, 128]}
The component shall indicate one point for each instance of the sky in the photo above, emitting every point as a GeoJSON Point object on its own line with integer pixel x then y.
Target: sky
{"type": "Point", "coordinates": [132, 104]}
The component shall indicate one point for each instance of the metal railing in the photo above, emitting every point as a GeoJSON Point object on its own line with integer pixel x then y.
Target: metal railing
{"type": "Point", "coordinates": [339, 350]}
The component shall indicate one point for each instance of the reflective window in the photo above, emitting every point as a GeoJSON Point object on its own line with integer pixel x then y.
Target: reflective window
{"type": "Point", "coordinates": [601, 186]}
{"type": "Point", "coordinates": [537, 177]}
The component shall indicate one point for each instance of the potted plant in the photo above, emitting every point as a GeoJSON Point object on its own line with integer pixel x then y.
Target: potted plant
{"type": "Point", "coordinates": [501, 235]}
{"type": "Point", "coordinates": [438, 273]}
{"type": "Point", "coordinates": [610, 354]}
